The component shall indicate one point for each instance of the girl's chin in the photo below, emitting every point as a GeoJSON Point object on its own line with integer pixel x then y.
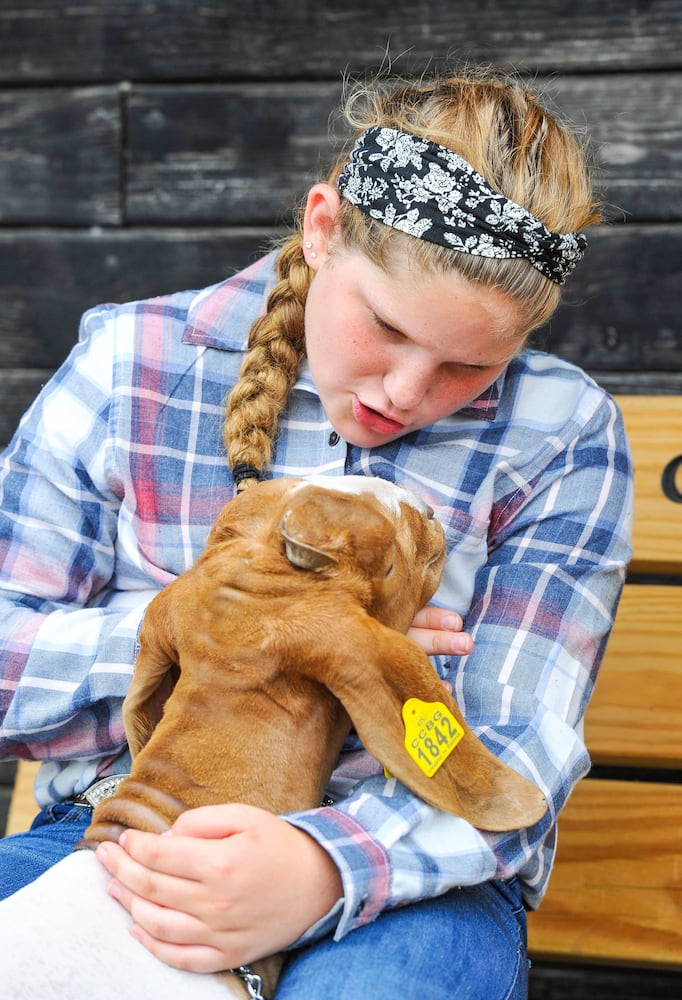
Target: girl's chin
{"type": "Point", "coordinates": [361, 437]}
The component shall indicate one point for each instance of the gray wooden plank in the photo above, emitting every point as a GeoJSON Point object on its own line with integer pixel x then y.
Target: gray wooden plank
{"type": "Point", "coordinates": [244, 153]}
{"type": "Point", "coordinates": [98, 40]}
{"type": "Point", "coordinates": [621, 311]}
{"type": "Point", "coordinates": [231, 154]}
{"type": "Point", "coordinates": [60, 156]}
{"type": "Point", "coordinates": [49, 277]}
{"type": "Point", "coordinates": [18, 389]}
{"type": "Point", "coordinates": [634, 121]}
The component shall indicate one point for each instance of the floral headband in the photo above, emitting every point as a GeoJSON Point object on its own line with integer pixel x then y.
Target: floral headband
{"type": "Point", "coordinates": [428, 191]}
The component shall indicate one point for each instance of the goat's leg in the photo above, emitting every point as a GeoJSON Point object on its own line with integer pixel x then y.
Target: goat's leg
{"type": "Point", "coordinates": [64, 937]}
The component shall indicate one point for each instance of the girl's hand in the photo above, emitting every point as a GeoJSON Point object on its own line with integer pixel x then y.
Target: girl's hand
{"type": "Point", "coordinates": [229, 884]}
{"type": "Point", "coordinates": [439, 632]}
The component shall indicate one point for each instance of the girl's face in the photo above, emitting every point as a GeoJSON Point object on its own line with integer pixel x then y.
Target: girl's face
{"type": "Point", "coordinates": [391, 354]}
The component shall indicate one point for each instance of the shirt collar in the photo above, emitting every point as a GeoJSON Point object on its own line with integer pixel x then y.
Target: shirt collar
{"type": "Point", "coordinates": [484, 407]}
{"type": "Point", "coordinates": [222, 315]}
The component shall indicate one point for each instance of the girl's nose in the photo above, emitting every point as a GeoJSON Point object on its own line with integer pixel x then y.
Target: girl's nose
{"type": "Point", "coordinates": [407, 385]}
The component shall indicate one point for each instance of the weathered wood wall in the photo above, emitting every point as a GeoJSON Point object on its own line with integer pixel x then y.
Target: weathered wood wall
{"type": "Point", "coordinates": [146, 147]}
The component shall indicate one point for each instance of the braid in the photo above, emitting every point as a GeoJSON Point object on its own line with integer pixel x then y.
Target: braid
{"type": "Point", "coordinates": [269, 370]}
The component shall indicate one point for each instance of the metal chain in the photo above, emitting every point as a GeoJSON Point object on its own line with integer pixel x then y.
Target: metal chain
{"type": "Point", "coordinates": [252, 981]}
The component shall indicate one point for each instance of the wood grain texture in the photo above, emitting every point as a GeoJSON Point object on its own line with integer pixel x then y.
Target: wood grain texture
{"type": "Point", "coordinates": [245, 152]}
{"type": "Point", "coordinates": [655, 430]}
{"type": "Point", "coordinates": [225, 154]}
{"type": "Point", "coordinates": [107, 39]}
{"type": "Point", "coordinates": [616, 891]}
{"type": "Point", "coordinates": [49, 278]}
{"type": "Point", "coordinates": [621, 313]}
{"type": "Point", "coordinates": [18, 389]}
{"type": "Point", "coordinates": [60, 156]}
{"type": "Point", "coordinates": [23, 808]}
{"type": "Point", "coordinates": [635, 716]}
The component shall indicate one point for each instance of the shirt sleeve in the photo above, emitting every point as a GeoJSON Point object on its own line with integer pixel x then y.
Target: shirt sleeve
{"type": "Point", "coordinates": [543, 607]}
{"type": "Point", "coordinates": [69, 618]}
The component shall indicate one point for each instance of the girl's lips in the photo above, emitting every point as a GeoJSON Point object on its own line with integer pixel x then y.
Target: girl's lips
{"type": "Point", "coordinates": [374, 420]}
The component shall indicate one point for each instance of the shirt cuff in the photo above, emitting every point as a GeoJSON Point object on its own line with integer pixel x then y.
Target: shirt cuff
{"type": "Point", "coordinates": [363, 863]}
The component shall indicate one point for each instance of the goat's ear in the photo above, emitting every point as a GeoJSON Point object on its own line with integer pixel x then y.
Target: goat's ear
{"type": "Point", "coordinates": [385, 681]}
{"type": "Point", "coordinates": [155, 676]}
{"type": "Point", "coordinates": [301, 553]}
{"type": "Point", "coordinates": [322, 528]}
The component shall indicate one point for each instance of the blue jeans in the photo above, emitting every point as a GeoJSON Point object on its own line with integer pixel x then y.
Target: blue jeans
{"type": "Point", "coordinates": [53, 835]}
{"type": "Point", "coordinates": [469, 944]}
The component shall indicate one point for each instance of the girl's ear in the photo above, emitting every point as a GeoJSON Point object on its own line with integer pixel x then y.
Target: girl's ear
{"type": "Point", "coordinates": [319, 223]}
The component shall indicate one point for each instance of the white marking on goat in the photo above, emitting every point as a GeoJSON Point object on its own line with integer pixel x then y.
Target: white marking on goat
{"type": "Point", "coordinates": [389, 494]}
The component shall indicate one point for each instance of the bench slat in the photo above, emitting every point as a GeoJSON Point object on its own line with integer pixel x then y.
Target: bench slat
{"type": "Point", "coordinates": [654, 425]}
{"type": "Point", "coordinates": [635, 716]}
{"type": "Point", "coordinates": [23, 808]}
{"type": "Point", "coordinates": [615, 895]}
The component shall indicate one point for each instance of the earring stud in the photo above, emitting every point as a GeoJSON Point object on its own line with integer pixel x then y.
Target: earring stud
{"type": "Point", "coordinates": [308, 245]}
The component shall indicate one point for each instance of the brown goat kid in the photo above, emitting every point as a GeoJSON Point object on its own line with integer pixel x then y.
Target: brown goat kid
{"type": "Point", "coordinates": [289, 629]}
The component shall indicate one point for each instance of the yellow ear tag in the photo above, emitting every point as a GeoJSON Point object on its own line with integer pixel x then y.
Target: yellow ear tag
{"type": "Point", "coordinates": [431, 733]}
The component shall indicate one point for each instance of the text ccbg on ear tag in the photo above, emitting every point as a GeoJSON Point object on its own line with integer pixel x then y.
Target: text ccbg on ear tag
{"type": "Point", "coordinates": [431, 733]}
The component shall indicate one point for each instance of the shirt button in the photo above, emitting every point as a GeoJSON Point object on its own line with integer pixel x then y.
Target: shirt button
{"type": "Point", "coordinates": [334, 438]}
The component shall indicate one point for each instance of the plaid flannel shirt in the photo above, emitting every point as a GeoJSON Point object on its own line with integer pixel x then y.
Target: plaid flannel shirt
{"type": "Point", "coordinates": [112, 481]}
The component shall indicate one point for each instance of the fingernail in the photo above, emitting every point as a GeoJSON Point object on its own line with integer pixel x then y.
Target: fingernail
{"type": "Point", "coordinates": [102, 854]}
{"type": "Point", "coordinates": [452, 621]}
{"type": "Point", "coordinates": [462, 644]}
{"type": "Point", "coordinates": [114, 891]}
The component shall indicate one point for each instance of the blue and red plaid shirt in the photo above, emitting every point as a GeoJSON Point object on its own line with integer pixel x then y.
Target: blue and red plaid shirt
{"type": "Point", "coordinates": [111, 484]}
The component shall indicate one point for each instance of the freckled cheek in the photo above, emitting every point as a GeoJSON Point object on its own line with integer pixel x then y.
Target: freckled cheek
{"type": "Point", "coordinates": [450, 394]}
{"type": "Point", "coordinates": [367, 357]}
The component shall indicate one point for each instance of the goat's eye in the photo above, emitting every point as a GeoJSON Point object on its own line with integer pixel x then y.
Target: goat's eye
{"type": "Point", "coordinates": [389, 570]}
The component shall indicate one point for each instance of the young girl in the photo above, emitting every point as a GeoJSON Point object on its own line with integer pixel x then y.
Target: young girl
{"type": "Point", "coordinates": [386, 337]}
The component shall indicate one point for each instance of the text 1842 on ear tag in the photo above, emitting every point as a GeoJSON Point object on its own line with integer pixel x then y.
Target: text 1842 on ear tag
{"type": "Point", "coordinates": [431, 733]}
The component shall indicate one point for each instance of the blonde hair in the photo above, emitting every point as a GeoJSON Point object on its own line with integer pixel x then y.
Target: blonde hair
{"type": "Point", "coordinates": [522, 150]}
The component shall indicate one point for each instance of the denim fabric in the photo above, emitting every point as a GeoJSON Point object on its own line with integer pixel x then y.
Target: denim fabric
{"type": "Point", "coordinates": [469, 944]}
{"type": "Point", "coordinates": [53, 834]}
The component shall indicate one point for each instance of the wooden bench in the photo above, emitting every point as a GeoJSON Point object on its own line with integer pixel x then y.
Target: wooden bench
{"type": "Point", "coordinates": [615, 895]}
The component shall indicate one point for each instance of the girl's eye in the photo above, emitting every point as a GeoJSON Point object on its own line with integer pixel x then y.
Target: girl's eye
{"type": "Point", "coordinates": [386, 327]}
{"type": "Point", "coordinates": [457, 367]}
{"type": "Point", "coordinates": [475, 368]}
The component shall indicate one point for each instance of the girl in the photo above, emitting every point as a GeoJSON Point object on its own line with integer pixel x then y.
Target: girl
{"type": "Point", "coordinates": [386, 337]}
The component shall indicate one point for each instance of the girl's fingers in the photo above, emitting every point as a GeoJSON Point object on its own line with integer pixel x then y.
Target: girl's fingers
{"type": "Point", "coordinates": [156, 881]}
{"type": "Point", "coordinates": [190, 958]}
{"type": "Point", "coordinates": [431, 617]}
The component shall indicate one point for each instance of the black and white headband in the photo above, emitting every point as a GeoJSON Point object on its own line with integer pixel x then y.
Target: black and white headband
{"type": "Point", "coordinates": [428, 191]}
